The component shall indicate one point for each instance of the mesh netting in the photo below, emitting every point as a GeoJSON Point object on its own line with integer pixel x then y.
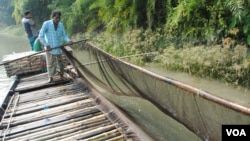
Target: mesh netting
{"type": "Point", "coordinates": [199, 111]}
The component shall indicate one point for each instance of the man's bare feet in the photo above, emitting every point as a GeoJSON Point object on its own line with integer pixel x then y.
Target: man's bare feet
{"type": "Point", "coordinates": [62, 77]}
{"type": "Point", "coordinates": [50, 79]}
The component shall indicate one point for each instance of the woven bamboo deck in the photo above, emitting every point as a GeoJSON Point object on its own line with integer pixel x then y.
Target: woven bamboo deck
{"type": "Point", "coordinates": [62, 110]}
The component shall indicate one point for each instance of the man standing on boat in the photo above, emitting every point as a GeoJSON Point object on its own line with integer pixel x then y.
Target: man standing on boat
{"type": "Point", "coordinates": [52, 35]}
{"type": "Point", "coordinates": [29, 27]}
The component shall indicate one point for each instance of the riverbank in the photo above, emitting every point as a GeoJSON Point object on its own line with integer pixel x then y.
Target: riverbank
{"type": "Point", "coordinates": [228, 64]}
{"type": "Point", "coordinates": [13, 31]}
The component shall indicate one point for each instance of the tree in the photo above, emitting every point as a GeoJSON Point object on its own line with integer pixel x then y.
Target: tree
{"type": "Point", "coordinates": [76, 15]}
{"type": "Point", "coordinates": [6, 10]}
{"type": "Point", "coordinates": [39, 9]}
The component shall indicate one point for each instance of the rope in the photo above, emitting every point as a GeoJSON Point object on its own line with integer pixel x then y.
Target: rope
{"type": "Point", "coordinates": [198, 92]}
{"type": "Point", "coordinates": [10, 119]}
{"type": "Point", "coordinates": [201, 117]}
{"type": "Point", "coordinates": [135, 55]}
{"type": "Point", "coordinates": [11, 99]}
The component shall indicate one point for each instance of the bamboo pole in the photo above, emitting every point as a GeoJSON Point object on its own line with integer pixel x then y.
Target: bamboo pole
{"type": "Point", "coordinates": [27, 56]}
{"type": "Point", "coordinates": [90, 133]}
{"type": "Point", "coordinates": [103, 136]}
{"type": "Point", "coordinates": [118, 138]}
{"type": "Point", "coordinates": [56, 121]}
{"type": "Point", "coordinates": [87, 108]}
{"type": "Point", "coordinates": [41, 97]}
{"type": "Point", "coordinates": [50, 102]}
{"type": "Point", "coordinates": [66, 127]}
{"type": "Point", "coordinates": [49, 93]}
{"type": "Point", "coordinates": [23, 65]}
{"type": "Point", "coordinates": [11, 117]}
{"type": "Point", "coordinates": [34, 106]}
{"type": "Point", "coordinates": [69, 132]}
{"type": "Point", "coordinates": [66, 122]}
{"type": "Point", "coordinates": [46, 113]}
{"type": "Point", "coordinates": [10, 102]}
{"type": "Point", "coordinates": [50, 115]}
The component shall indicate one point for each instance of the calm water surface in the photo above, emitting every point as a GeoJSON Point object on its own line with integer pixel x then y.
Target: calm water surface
{"type": "Point", "coordinates": [9, 44]}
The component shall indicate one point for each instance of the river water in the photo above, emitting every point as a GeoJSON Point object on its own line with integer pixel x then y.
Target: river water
{"type": "Point", "coordinates": [8, 45]}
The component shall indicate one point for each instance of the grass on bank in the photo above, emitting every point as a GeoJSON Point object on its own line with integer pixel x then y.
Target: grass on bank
{"type": "Point", "coordinates": [229, 64]}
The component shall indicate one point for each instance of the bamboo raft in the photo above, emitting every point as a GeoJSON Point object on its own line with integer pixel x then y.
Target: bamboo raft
{"type": "Point", "coordinates": [32, 64]}
{"type": "Point", "coordinates": [62, 110]}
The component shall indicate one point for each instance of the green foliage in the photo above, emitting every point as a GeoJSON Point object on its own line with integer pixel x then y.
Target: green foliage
{"type": "Point", "coordinates": [38, 8]}
{"type": "Point", "coordinates": [231, 66]}
{"type": "Point", "coordinates": [239, 19]}
{"type": "Point", "coordinates": [197, 21]}
{"type": "Point", "coordinates": [5, 13]}
{"type": "Point", "coordinates": [137, 26]}
{"type": "Point", "coordinates": [68, 18]}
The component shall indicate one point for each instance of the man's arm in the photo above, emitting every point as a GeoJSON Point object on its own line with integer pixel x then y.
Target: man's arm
{"type": "Point", "coordinates": [31, 22]}
{"type": "Point", "coordinates": [42, 33]}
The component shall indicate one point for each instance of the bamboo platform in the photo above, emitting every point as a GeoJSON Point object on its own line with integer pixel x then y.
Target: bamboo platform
{"type": "Point", "coordinates": [62, 110]}
{"type": "Point", "coordinates": [24, 65]}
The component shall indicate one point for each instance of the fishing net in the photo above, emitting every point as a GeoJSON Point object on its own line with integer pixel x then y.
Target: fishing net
{"type": "Point", "coordinates": [166, 109]}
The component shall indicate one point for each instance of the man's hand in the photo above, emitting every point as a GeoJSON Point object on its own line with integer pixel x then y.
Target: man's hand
{"type": "Point", "coordinates": [47, 48]}
{"type": "Point", "coordinates": [70, 42]}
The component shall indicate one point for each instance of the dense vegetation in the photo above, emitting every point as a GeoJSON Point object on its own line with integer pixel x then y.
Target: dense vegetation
{"type": "Point", "coordinates": [201, 37]}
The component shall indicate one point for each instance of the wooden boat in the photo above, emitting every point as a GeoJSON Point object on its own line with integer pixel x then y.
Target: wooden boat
{"type": "Point", "coordinates": [62, 110]}
{"type": "Point", "coordinates": [201, 113]}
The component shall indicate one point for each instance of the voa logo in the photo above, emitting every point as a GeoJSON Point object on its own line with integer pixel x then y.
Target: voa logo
{"type": "Point", "coordinates": [236, 132]}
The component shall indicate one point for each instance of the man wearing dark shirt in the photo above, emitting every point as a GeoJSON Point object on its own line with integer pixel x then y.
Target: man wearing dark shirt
{"type": "Point", "coordinates": [29, 26]}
